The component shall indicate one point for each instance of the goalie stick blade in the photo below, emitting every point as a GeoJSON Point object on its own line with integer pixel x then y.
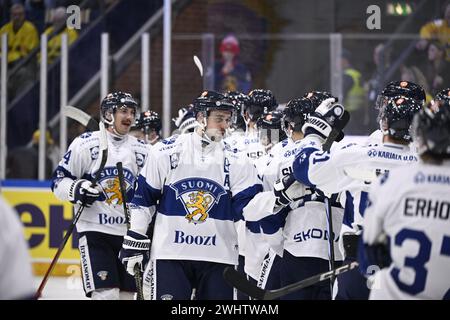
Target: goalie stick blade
{"type": "Point", "coordinates": [240, 282]}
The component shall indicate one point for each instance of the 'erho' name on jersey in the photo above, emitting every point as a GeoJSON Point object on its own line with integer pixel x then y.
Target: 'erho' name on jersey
{"type": "Point", "coordinates": [426, 208]}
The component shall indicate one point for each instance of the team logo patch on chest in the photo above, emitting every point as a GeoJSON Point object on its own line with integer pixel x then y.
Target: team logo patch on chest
{"type": "Point", "coordinates": [110, 184]}
{"type": "Point", "coordinates": [198, 196]}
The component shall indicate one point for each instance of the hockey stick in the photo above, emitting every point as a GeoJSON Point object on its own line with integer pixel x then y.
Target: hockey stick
{"type": "Point", "coordinates": [240, 282]}
{"type": "Point", "coordinates": [199, 65]}
{"type": "Point", "coordinates": [104, 156]}
{"type": "Point", "coordinates": [334, 134]}
{"type": "Point", "coordinates": [137, 270]}
{"type": "Point", "coordinates": [82, 117]}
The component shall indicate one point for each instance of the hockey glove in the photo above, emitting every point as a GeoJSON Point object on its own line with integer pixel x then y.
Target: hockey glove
{"type": "Point", "coordinates": [326, 117]}
{"type": "Point", "coordinates": [135, 250]}
{"type": "Point", "coordinates": [287, 189]}
{"type": "Point", "coordinates": [82, 193]}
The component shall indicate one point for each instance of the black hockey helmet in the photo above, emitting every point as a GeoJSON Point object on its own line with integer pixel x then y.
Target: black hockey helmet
{"type": "Point", "coordinates": [295, 114]}
{"type": "Point", "coordinates": [186, 121]}
{"type": "Point", "coordinates": [113, 101]}
{"type": "Point", "coordinates": [443, 95]}
{"type": "Point", "coordinates": [406, 89]}
{"type": "Point", "coordinates": [148, 121]}
{"type": "Point", "coordinates": [317, 97]}
{"type": "Point", "coordinates": [211, 100]}
{"type": "Point", "coordinates": [260, 102]}
{"type": "Point", "coordinates": [431, 131]}
{"type": "Point", "coordinates": [397, 115]}
{"type": "Point", "coordinates": [269, 126]}
{"type": "Point", "coordinates": [240, 100]}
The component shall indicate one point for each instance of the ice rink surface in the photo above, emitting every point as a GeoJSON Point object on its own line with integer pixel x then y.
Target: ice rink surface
{"type": "Point", "coordinates": [62, 288]}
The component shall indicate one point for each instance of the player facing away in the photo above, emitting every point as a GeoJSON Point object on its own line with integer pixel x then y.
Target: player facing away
{"type": "Point", "coordinates": [349, 170]}
{"type": "Point", "coordinates": [407, 222]}
{"type": "Point", "coordinates": [198, 187]}
{"type": "Point", "coordinates": [101, 226]}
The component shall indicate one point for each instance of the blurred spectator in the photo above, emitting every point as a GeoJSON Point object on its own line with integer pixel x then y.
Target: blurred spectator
{"type": "Point", "coordinates": [354, 96]}
{"type": "Point", "coordinates": [437, 72]}
{"type": "Point", "coordinates": [438, 30]}
{"type": "Point", "coordinates": [382, 61]}
{"type": "Point", "coordinates": [22, 39]}
{"type": "Point", "coordinates": [23, 162]}
{"type": "Point", "coordinates": [55, 33]}
{"type": "Point", "coordinates": [230, 74]}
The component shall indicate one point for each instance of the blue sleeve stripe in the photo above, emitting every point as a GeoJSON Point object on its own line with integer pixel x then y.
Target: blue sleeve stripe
{"type": "Point", "coordinates": [273, 223]}
{"type": "Point", "coordinates": [349, 210]}
{"type": "Point", "coordinates": [363, 202]}
{"type": "Point", "coordinates": [145, 195]}
{"type": "Point", "coordinates": [301, 166]}
{"type": "Point", "coordinates": [240, 200]}
{"type": "Point", "coordinates": [25, 183]}
{"type": "Point", "coordinates": [66, 174]}
{"type": "Point", "coordinates": [253, 226]}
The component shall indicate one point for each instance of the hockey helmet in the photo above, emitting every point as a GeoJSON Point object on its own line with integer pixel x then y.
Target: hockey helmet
{"type": "Point", "coordinates": [295, 114]}
{"type": "Point", "coordinates": [113, 101]}
{"type": "Point", "coordinates": [397, 115]}
{"type": "Point", "coordinates": [431, 131]}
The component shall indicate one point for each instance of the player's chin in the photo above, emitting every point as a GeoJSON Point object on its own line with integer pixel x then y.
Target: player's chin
{"type": "Point", "coordinates": [124, 129]}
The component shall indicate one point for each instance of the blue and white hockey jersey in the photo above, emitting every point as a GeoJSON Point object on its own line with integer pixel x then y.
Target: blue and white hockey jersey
{"type": "Point", "coordinates": [411, 205]}
{"type": "Point", "coordinates": [199, 189]}
{"type": "Point", "coordinates": [82, 160]}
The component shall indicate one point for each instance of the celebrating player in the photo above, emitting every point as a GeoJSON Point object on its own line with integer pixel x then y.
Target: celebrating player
{"type": "Point", "coordinates": [101, 226]}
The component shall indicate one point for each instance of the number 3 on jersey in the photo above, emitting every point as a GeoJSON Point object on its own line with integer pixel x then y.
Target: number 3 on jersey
{"type": "Point", "coordinates": [418, 262]}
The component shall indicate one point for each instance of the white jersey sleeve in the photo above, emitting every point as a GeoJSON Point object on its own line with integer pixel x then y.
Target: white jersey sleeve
{"type": "Point", "coordinates": [16, 279]}
{"type": "Point", "coordinates": [82, 161]}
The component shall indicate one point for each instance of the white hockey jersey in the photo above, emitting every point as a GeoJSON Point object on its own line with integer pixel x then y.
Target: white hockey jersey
{"type": "Point", "coordinates": [199, 189]}
{"type": "Point", "coordinates": [411, 205]}
{"type": "Point", "coordinates": [349, 169]}
{"type": "Point", "coordinates": [16, 277]}
{"type": "Point", "coordinates": [82, 160]}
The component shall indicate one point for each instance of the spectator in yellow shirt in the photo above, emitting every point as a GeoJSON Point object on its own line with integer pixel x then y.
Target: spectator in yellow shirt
{"type": "Point", "coordinates": [55, 33]}
{"type": "Point", "coordinates": [22, 35]}
{"type": "Point", "coordinates": [22, 39]}
{"type": "Point", "coordinates": [439, 30]}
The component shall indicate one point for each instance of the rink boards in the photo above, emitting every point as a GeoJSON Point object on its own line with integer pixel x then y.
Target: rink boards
{"type": "Point", "coordinates": [45, 220]}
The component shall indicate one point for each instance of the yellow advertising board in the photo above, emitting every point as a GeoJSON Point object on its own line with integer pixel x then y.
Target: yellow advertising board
{"type": "Point", "coordinates": [46, 220]}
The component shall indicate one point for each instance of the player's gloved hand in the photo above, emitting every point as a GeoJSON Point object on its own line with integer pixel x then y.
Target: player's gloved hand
{"type": "Point", "coordinates": [324, 119]}
{"type": "Point", "coordinates": [287, 189]}
{"type": "Point", "coordinates": [82, 193]}
{"type": "Point", "coordinates": [135, 251]}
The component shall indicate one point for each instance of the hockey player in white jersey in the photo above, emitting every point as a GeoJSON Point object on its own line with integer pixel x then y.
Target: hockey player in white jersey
{"type": "Point", "coordinates": [304, 244]}
{"type": "Point", "coordinates": [349, 169]}
{"type": "Point", "coordinates": [199, 186]}
{"type": "Point", "coordinates": [393, 89]}
{"type": "Point", "coordinates": [253, 106]}
{"type": "Point", "coordinates": [147, 127]}
{"type": "Point", "coordinates": [259, 101]}
{"type": "Point", "coordinates": [101, 226]}
{"type": "Point", "coordinates": [407, 222]}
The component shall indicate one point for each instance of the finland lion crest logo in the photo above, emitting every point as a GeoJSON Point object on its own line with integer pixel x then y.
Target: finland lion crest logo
{"type": "Point", "coordinates": [198, 196]}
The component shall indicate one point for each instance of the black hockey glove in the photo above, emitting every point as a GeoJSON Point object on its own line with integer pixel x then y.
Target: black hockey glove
{"type": "Point", "coordinates": [328, 116]}
{"type": "Point", "coordinates": [287, 189]}
{"type": "Point", "coordinates": [82, 193]}
{"type": "Point", "coordinates": [135, 251]}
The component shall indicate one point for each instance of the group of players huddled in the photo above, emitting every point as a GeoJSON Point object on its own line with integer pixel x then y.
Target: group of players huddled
{"type": "Point", "coordinates": [246, 182]}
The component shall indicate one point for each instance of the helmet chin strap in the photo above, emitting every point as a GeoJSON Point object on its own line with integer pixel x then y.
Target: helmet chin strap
{"type": "Point", "coordinates": [111, 123]}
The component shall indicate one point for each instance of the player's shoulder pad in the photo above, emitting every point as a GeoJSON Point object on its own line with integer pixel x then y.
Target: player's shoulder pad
{"type": "Point", "coordinates": [137, 143]}
{"type": "Point", "coordinates": [86, 140]}
{"type": "Point", "coordinates": [229, 148]}
{"type": "Point", "coordinates": [170, 143]}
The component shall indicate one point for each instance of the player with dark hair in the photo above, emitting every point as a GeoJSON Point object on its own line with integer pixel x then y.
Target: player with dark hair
{"type": "Point", "coordinates": [102, 224]}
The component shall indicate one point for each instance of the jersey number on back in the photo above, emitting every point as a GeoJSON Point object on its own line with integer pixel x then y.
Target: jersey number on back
{"type": "Point", "coordinates": [418, 262]}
